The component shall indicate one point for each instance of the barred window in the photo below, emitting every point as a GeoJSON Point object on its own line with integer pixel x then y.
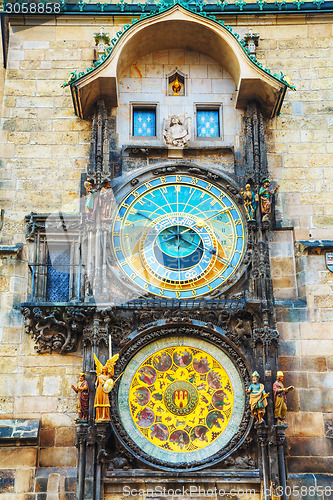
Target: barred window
{"type": "Point", "coordinates": [56, 253]}
{"type": "Point", "coordinates": [58, 273]}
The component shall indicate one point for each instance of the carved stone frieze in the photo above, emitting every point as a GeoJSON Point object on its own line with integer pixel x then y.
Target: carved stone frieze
{"type": "Point", "coordinates": [241, 462]}
{"type": "Point", "coordinates": [165, 170]}
{"type": "Point", "coordinates": [58, 328]}
{"type": "Point", "coordinates": [136, 151]}
{"type": "Point", "coordinates": [117, 325]}
{"type": "Point", "coordinates": [55, 328]}
{"type": "Point", "coordinates": [265, 336]}
{"type": "Point", "coordinates": [121, 458]}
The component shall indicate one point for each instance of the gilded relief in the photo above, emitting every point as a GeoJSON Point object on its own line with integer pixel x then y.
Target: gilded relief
{"type": "Point", "coordinates": [181, 399]}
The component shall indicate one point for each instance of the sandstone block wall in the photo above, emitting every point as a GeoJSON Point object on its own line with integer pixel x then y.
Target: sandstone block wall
{"type": "Point", "coordinates": [300, 156]}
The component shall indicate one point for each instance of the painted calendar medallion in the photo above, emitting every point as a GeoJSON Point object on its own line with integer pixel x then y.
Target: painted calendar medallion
{"type": "Point", "coordinates": [178, 236]}
{"type": "Point", "coordinates": [181, 399]}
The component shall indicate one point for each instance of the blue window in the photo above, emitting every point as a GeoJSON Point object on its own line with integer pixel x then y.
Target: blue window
{"type": "Point", "coordinates": [144, 121]}
{"type": "Point", "coordinates": [57, 287]}
{"type": "Point", "coordinates": [208, 123]}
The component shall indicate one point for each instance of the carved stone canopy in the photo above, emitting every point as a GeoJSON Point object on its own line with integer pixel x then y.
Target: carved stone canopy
{"type": "Point", "coordinates": [191, 31]}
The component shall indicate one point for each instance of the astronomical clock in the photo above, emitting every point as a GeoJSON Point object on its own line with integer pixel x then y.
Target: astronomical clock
{"type": "Point", "coordinates": [178, 236]}
{"type": "Point", "coordinates": [179, 239]}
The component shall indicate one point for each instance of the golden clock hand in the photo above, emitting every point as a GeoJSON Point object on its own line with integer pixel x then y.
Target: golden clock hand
{"type": "Point", "coordinates": [186, 230]}
{"type": "Point", "coordinates": [225, 210]}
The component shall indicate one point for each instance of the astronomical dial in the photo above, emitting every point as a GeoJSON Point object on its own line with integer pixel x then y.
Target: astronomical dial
{"type": "Point", "coordinates": [181, 401]}
{"type": "Point", "coordinates": [178, 236]}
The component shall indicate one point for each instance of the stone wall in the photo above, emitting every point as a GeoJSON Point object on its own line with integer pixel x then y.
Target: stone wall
{"type": "Point", "coordinates": [300, 152]}
{"type": "Point", "coordinates": [44, 149]}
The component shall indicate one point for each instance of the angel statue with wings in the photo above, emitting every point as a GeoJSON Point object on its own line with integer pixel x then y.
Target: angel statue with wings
{"type": "Point", "coordinates": [176, 133]}
{"type": "Point", "coordinates": [104, 385]}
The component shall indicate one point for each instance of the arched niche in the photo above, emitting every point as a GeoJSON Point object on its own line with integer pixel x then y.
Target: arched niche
{"type": "Point", "coordinates": [179, 28]}
{"type": "Point", "coordinates": [208, 86]}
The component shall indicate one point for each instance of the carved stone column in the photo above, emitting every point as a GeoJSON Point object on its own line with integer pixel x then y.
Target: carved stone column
{"type": "Point", "coordinates": [81, 437]}
{"type": "Point", "coordinates": [102, 431]}
{"type": "Point", "coordinates": [262, 434]}
{"type": "Point", "coordinates": [260, 291]}
{"type": "Point", "coordinates": [281, 443]}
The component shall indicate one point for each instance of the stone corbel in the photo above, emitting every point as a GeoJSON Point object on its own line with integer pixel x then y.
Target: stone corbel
{"type": "Point", "coordinates": [55, 329]}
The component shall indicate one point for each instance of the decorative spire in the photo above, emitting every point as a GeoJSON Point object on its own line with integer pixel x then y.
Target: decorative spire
{"type": "Point", "coordinates": [102, 40]}
{"type": "Point", "coordinates": [251, 39]}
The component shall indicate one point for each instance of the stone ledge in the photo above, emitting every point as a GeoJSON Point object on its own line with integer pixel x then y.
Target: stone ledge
{"type": "Point", "coordinates": [119, 475]}
{"type": "Point", "coordinates": [11, 249]}
{"type": "Point", "coordinates": [19, 430]}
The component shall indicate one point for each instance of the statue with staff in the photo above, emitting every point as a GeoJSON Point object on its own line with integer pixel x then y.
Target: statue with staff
{"type": "Point", "coordinates": [258, 398]}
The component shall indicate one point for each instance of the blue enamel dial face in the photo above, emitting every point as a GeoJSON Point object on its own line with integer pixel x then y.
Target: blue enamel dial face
{"type": "Point", "coordinates": [178, 236]}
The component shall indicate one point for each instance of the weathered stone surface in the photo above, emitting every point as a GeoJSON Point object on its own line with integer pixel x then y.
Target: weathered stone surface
{"type": "Point", "coordinates": [47, 437]}
{"type": "Point", "coordinates": [313, 364]}
{"type": "Point", "coordinates": [309, 464]}
{"type": "Point", "coordinates": [24, 480]}
{"type": "Point", "coordinates": [34, 405]}
{"type": "Point", "coordinates": [310, 446]}
{"type": "Point", "coordinates": [316, 400]}
{"type": "Point", "coordinates": [65, 436]}
{"type": "Point", "coordinates": [58, 457]}
{"type": "Point", "coordinates": [7, 481]}
{"type": "Point", "coordinates": [13, 457]}
{"type": "Point", "coordinates": [56, 420]}
{"type": "Point", "coordinates": [52, 386]}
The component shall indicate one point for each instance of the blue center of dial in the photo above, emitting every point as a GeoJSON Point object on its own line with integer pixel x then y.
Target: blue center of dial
{"type": "Point", "coordinates": [178, 247]}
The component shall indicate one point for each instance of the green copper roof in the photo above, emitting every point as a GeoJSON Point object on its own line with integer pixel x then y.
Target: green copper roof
{"type": "Point", "coordinates": [159, 8]}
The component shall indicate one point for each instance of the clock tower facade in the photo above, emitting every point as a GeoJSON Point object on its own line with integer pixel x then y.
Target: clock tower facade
{"type": "Point", "coordinates": [175, 251]}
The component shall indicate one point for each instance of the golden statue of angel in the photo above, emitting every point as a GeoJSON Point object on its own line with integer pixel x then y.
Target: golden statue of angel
{"type": "Point", "coordinates": [104, 385]}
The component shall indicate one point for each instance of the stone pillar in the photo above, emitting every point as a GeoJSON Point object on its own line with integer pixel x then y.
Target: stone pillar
{"type": "Point", "coordinates": [262, 434]}
{"type": "Point", "coordinates": [80, 443]}
{"type": "Point", "coordinates": [102, 430]}
{"type": "Point", "coordinates": [280, 431]}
